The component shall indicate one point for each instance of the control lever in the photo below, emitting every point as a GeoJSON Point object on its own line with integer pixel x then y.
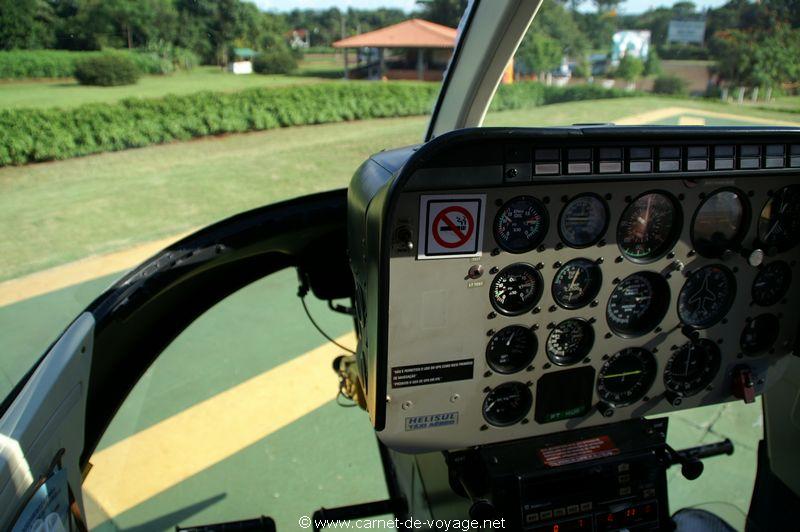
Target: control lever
{"type": "Point", "coordinates": [690, 459]}
{"type": "Point", "coordinates": [358, 511]}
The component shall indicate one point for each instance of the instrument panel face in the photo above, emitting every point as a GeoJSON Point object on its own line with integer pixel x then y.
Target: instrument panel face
{"type": "Point", "coordinates": [535, 308]}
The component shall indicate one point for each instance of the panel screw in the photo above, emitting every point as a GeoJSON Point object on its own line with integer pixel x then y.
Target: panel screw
{"type": "Point", "coordinates": [511, 173]}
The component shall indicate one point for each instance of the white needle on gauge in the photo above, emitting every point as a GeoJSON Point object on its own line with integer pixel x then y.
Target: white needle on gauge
{"type": "Point", "coordinates": [511, 337]}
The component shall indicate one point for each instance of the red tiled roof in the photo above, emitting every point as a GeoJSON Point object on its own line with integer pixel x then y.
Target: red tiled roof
{"type": "Point", "coordinates": [414, 33]}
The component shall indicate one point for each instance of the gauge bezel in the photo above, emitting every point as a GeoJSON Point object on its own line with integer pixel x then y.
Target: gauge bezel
{"type": "Point", "coordinates": [652, 374]}
{"type": "Point", "coordinates": [586, 346]}
{"type": "Point", "coordinates": [521, 415]}
{"type": "Point", "coordinates": [532, 244]}
{"type": "Point", "coordinates": [535, 343]}
{"type": "Point", "coordinates": [731, 277]}
{"type": "Point", "coordinates": [594, 292]}
{"type": "Point", "coordinates": [760, 271]}
{"type": "Point", "coordinates": [709, 378]}
{"type": "Point", "coordinates": [675, 230]}
{"type": "Point", "coordinates": [744, 228]}
{"type": "Point", "coordinates": [774, 320]}
{"type": "Point", "coordinates": [781, 248]}
{"type": "Point", "coordinates": [662, 296]}
{"type": "Point", "coordinates": [535, 300]}
{"type": "Point", "coordinates": [606, 223]}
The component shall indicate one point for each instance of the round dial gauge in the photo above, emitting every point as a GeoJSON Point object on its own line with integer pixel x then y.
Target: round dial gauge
{"type": "Point", "coordinates": [707, 296]}
{"type": "Point", "coordinates": [779, 223]}
{"type": "Point", "coordinates": [516, 289]}
{"type": "Point", "coordinates": [577, 283]}
{"type": "Point", "coordinates": [584, 221]}
{"type": "Point", "coordinates": [692, 367]}
{"type": "Point", "coordinates": [570, 341]}
{"type": "Point", "coordinates": [638, 304]}
{"type": "Point", "coordinates": [720, 223]}
{"type": "Point", "coordinates": [507, 404]}
{"type": "Point", "coordinates": [649, 227]}
{"type": "Point", "coordinates": [521, 224]}
{"type": "Point", "coordinates": [626, 376]}
{"type": "Point", "coordinates": [759, 334]}
{"type": "Point", "coordinates": [511, 349]}
{"type": "Point", "coordinates": [772, 283]}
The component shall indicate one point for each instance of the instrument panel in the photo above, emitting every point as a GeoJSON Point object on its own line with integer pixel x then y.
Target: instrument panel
{"type": "Point", "coordinates": [541, 305]}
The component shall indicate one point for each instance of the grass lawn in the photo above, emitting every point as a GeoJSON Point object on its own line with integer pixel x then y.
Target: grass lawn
{"type": "Point", "coordinates": [53, 213]}
{"type": "Point", "coordinates": [68, 93]}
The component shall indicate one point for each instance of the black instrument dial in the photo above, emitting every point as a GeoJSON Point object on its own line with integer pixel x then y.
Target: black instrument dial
{"type": "Point", "coordinates": [570, 341]}
{"type": "Point", "coordinates": [638, 304]}
{"type": "Point", "coordinates": [507, 404]}
{"type": "Point", "coordinates": [521, 224]}
{"type": "Point", "coordinates": [692, 367]}
{"type": "Point", "coordinates": [720, 223]}
{"type": "Point", "coordinates": [772, 283]}
{"type": "Point", "coordinates": [584, 221]}
{"type": "Point", "coordinates": [626, 376]}
{"type": "Point", "coordinates": [516, 289]}
{"type": "Point", "coordinates": [760, 334]}
{"type": "Point", "coordinates": [511, 349]}
{"type": "Point", "coordinates": [707, 296]}
{"type": "Point", "coordinates": [649, 227]}
{"type": "Point", "coordinates": [577, 283]}
{"type": "Point", "coordinates": [779, 223]}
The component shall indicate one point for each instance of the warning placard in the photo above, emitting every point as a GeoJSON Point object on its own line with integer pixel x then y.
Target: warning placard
{"type": "Point", "coordinates": [451, 226]}
{"type": "Point", "coordinates": [579, 451]}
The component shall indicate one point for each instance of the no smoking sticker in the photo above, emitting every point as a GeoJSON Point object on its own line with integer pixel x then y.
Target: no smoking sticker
{"type": "Point", "coordinates": [450, 226]}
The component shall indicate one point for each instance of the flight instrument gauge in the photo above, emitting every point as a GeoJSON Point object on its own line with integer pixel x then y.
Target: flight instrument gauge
{"type": "Point", "coordinates": [511, 349]}
{"type": "Point", "coordinates": [507, 404]}
{"type": "Point", "coordinates": [584, 221]}
{"type": "Point", "coordinates": [649, 227]}
{"type": "Point", "coordinates": [720, 223]}
{"type": "Point", "coordinates": [779, 223]}
{"type": "Point", "coordinates": [771, 283]}
{"type": "Point", "coordinates": [577, 283]}
{"type": "Point", "coordinates": [516, 289]}
{"type": "Point", "coordinates": [759, 334]}
{"type": "Point", "coordinates": [570, 341]}
{"type": "Point", "coordinates": [521, 224]}
{"type": "Point", "coordinates": [637, 304]}
{"type": "Point", "coordinates": [692, 367]}
{"type": "Point", "coordinates": [707, 296]}
{"type": "Point", "coordinates": [626, 376]}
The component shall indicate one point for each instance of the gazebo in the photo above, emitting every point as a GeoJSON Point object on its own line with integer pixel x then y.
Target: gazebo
{"type": "Point", "coordinates": [427, 44]}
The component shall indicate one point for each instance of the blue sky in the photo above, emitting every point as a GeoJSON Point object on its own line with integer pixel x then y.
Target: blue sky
{"type": "Point", "coordinates": [628, 6]}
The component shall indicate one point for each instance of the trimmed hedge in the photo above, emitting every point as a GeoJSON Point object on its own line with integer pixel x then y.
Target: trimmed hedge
{"type": "Point", "coordinates": [109, 70]}
{"type": "Point", "coordinates": [673, 85]}
{"type": "Point", "coordinates": [279, 61]}
{"type": "Point", "coordinates": [29, 135]}
{"type": "Point", "coordinates": [22, 64]}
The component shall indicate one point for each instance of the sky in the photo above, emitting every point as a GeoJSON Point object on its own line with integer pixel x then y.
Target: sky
{"type": "Point", "coordinates": [628, 6]}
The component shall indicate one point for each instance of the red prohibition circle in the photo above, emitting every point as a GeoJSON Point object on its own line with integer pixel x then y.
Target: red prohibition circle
{"type": "Point", "coordinates": [462, 237]}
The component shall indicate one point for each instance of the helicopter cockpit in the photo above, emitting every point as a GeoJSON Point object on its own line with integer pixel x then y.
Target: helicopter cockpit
{"type": "Point", "coordinates": [529, 305]}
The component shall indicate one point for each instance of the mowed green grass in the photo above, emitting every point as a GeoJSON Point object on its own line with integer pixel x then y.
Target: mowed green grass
{"type": "Point", "coordinates": [68, 93]}
{"type": "Point", "coordinates": [53, 213]}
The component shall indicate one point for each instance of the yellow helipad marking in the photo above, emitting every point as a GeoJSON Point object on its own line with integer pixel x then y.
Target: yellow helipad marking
{"type": "Point", "coordinates": [80, 271]}
{"type": "Point", "coordinates": [668, 112]}
{"type": "Point", "coordinates": [151, 461]}
{"type": "Point", "coordinates": [691, 121]}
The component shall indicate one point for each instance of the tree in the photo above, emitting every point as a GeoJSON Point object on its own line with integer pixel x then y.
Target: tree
{"type": "Point", "coordinates": [758, 57]}
{"type": "Point", "coordinates": [25, 24]}
{"type": "Point", "coordinates": [447, 12]}
{"type": "Point", "coordinates": [539, 53]}
{"type": "Point", "coordinates": [630, 68]}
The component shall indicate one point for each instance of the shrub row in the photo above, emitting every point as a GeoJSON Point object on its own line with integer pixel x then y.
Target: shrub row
{"type": "Point", "coordinates": [28, 135]}
{"type": "Point", "coordinates": [21, 64]}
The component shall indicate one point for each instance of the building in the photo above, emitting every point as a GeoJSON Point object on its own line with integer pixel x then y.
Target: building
{"type": "Point", "coordinates": [413, 49]}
